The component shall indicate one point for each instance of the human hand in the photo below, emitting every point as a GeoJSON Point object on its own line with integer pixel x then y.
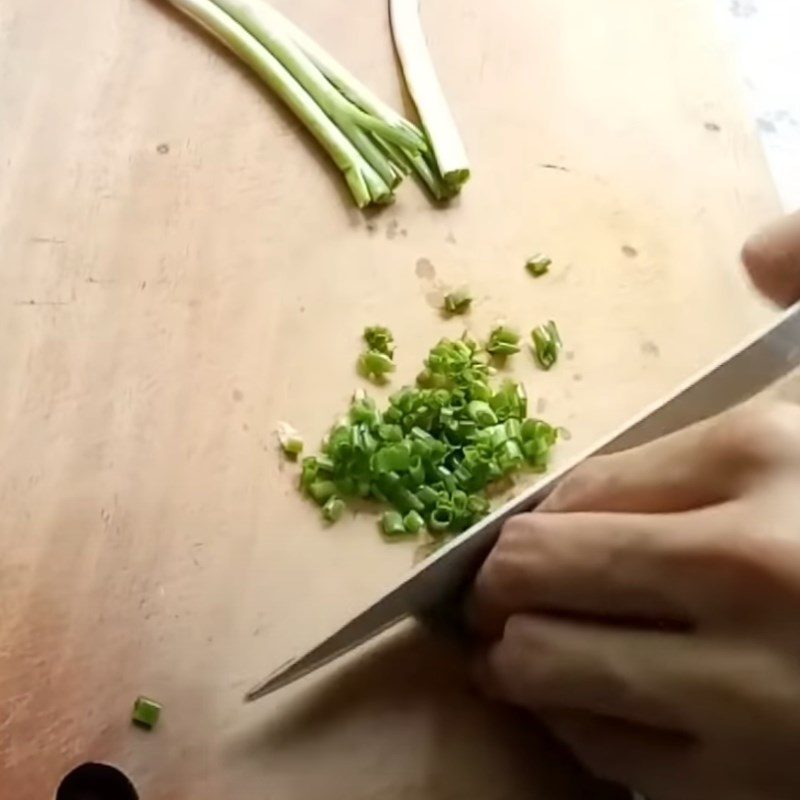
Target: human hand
{"type": "Point", "coordinates": [649, 610]}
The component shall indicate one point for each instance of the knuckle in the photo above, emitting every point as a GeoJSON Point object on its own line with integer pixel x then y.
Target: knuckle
{"type": "Point", "coordinates": [738, 564]}
{"type": "Point", "coordinates": [504, 571]}
{"type": "Point", "coordinates": [529, 651]}
{"type": "Point", "coordinates": [760, 433]}
{"type": "Point", "coordinates": [577, 488]}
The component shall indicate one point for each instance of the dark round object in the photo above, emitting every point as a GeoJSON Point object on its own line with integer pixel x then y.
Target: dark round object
{"type": "Point", "coordinates": [96, 782]}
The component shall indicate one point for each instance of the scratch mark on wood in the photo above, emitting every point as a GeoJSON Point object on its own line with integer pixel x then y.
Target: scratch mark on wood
{"type": "Point", "coordinates": [47, 240]}
{"type": "Point", "coordinates": [42, 303]}
{"type": "Point", "coordinates": [559, 167]}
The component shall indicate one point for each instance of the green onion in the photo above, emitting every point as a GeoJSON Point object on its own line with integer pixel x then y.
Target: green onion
{"type": "Point", "coordinates": [481, 412]}
{"type": "Point", "coordinates": [372, 145]}
{"type": "Point", "coordinates": [413, 522]}
{"type": "Point", "coordinates": [457, 302]}
{"type": "Point", "coordinates": [416, 471]}
{"type": "Point", "coordinates": [424, 87]}
{"type": "Point", "coordinates": [377, 362]}
{"type": "Point", "coordinates": [546, 344]}
{"type": "Point", "coordinates": [394, 458]}
{"type": "Point", "coordinates": [441, 519]}
{"type": "Point", "coordinates": [503, 342]}
{"type": "Point", "coordinates": [146, 712]}
{"type": "Point", "coordinates": [290, 440]}
{"type": "Point", "coordinates": [538, 265]}
{"type": "Point", "coordinates": [365, 184]}
{"type": "Point", "coordinates": [428, 496]}
{"type": "Point", "coordinates": [333, 509]}
{"type": "Point", "coordinates": [392, 523]}
{"type": "Point", "coordinates": [322, 491]}
{"type": "Point", "coordinates": [342, 79]}
{"type": "Point", "coordinates": [379, 339]}
{"type": "Point", "coordinates": [375, 365]}
{"type": "Point", "coordinates": [433, 451]}
{"type": "Point", "coordinates": [390, 433]}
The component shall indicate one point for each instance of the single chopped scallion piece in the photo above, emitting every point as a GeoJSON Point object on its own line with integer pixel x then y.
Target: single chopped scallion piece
{"type": "Point", "coordinates": [538, 265]}
{"type": "Point", "coordinates": [146, 712]}
{"type": "Point", "coordinates": [413, 522]}
{"type": "Point", "coordinates": [428, 495]}
{"type": "Point", "coordinates": [441, 519]}
{"type": "Point", "coordinates": [322, 491]}
{"type": "Point", "coordinates": [375, 365]}
{"type": "Point", "coordinates": [380, 339]}
{"type": "Point", "coordinates": [289, 439]}
{"type": "Point", "coordinates": [392, 523]}
{"type": "Point", "coordinates": [481, 413]}
{"type": "Point", "coordinates": [457, 302]}
{"type": "Point", "coordinates": [333, 509]}
{"type": "Point", "coordinates": [393, 458]}
{"type": "Point", "coordinates": [503, 342]}
{"type": "Point", "coordinates": [546, 344]}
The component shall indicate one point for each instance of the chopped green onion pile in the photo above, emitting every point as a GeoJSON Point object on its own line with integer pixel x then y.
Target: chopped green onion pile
{"type": "Point", "coordinates": [372, 145]}
{"type": "Point", "coordinates": [546, 344]}
{"type": "Point", "coordinates": [538, 265]}
{"type": "Point", "coordinates": [376, 362]}
{"type": "Point", "coordinates": [457, 302]}
{"type": "Point", "coordinates": [434, 451]}
{"type": "Point", "coordinates": [503, 342]}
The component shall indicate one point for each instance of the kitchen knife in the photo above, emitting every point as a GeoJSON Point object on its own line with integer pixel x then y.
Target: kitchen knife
{"type": "Point", "coordinates": [752, 366]}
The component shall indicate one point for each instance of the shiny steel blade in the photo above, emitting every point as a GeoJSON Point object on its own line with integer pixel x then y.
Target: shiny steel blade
{"type": "Point", "coordinates": [758, 362]}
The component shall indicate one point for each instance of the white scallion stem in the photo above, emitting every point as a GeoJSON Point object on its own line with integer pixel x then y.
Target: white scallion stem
{"type": "Point", "coordinates": [426, 91]}
{"type": "Point", "coordinates": [255, 19]}
{"type": "Point", "coordinates": [344, 80]}
{"type": "Point", "coordinates": [365, 184]}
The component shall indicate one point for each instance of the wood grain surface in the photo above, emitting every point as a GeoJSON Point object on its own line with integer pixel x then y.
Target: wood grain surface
{"type": "Point", "coordinates": [180, 268]}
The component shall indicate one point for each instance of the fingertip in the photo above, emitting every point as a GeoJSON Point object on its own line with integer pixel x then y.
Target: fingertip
{"type": "Point", "coordinates": [772, 260]}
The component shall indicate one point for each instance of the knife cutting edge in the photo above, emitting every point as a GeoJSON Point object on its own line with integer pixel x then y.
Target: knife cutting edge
{"type": "Point", "coordinates": [757, 362]}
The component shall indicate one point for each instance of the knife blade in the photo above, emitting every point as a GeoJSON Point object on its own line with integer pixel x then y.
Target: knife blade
{"type": "Point", "coordinates": [753, 365]}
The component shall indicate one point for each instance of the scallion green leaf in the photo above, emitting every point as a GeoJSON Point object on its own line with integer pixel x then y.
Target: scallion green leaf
{"type": "Point", "coordinates": [380, 339]}
{"type": "Point", "coordinates": [441, 519]}
{"type": "Point", "coordinates": [457, 302]}
{"type": "Point", "coordinates": [503, 342]}
{"type": "Point", "coordinates": [413, 522]}
{"type": "Point", "coordinates": [538, 265]}
{"type": "Point", "coordinates": [322, 491]}
{"type": "Point", "coordinates": [392, 523]}
{"type": "Point", "coordinates": [546, 344]}
{"type": "Point", "coordinates": [333, 509]}
{"type": "Point", "coordinates": [375, 365]}
{"type": "Point", "coordinates": [146, 712]}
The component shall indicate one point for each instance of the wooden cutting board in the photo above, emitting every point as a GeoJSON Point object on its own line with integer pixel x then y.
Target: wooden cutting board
{"type": "Point", "coordinates": [181, 268]}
